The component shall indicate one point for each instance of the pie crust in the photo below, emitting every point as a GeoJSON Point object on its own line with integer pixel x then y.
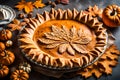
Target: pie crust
{"type": "Point", "coordinates": [63, 39]}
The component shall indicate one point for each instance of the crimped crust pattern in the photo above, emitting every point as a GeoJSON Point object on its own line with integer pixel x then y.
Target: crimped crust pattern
{"type": "Point", "coordinates": [31, 50]}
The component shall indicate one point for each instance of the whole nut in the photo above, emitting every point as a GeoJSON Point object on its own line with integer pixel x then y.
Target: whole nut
{"type": "Point", "coordinates": [30, 15]}
{"type": "Point", "coordinates": [57, 1]}
{"type": "Point", "coordinates": [49, 2]}
{"type": "Point", "coordinates": [21, 15]}
{"type": "Point", "coordinates": [53, 4]}
{"type": "Point", "coordinates": [8, 43]}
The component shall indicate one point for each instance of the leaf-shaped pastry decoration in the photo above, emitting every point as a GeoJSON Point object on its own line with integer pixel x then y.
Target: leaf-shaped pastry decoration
{"type": "Point", "coordinates": [51, 36]}
{"type": "Point", "coordinates": [71, 50]}
{"type": "Point", "coordinates": [62, 48]}
{"type": "Point", "coordinates": [83, 40]}
{"type": "Point", "coordinates": [67, 40]}
{"type": "Point", "coordinates": [52, 45]}
{"type": "Point", "coordinates": [94, 11]}
{"type": "Point", "coordinates": [38, 4]}
{"type": "Point", "coordinates": [79, 48]}
{"type": "Point", "coordinates": [46, 41]}
{"type": "Point", "coordinates": [27, 6]}
{"type": "Point", "coordinates": [65, 30]}
{"type": "Point", "coordinates": [73, 32]}
{"type": "Point", "coordinates": [102, 66]}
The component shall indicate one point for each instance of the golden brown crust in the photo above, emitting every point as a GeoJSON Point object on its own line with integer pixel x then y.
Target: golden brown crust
{"type": "Point", "coordinates": [31, 50]}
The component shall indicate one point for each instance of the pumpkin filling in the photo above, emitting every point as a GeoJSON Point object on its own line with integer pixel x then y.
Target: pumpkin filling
{"type": "Point", "coordinates": [63, 45]}
{"type": "Point", "coordinates": [63, 39]}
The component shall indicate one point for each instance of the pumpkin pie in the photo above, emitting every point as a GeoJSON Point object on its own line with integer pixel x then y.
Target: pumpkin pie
{"type": "Point", "coordinates": [63, 40]}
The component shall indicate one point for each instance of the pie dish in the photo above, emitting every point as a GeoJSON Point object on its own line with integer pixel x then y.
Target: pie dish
{"type": "Point", "coordinates": [9, 14]}
{"type": "Point", "coordinates": [63, 40]}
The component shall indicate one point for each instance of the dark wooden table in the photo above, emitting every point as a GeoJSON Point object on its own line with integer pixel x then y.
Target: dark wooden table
{"type": "Point", "coordinates": [79, 5]}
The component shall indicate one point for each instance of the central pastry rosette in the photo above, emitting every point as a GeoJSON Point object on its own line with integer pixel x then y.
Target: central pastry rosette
{"type": "Point", "coordinates": [70, 41]}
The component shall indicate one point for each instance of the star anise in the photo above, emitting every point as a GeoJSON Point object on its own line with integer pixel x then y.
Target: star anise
{"type": "Point", "coordinates": [66, 40]}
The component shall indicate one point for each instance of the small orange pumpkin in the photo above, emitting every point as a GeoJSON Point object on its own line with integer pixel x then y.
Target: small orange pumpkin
{"type": "Point", "coordinates": [4, 70]}
{"type": "Point", "coordinates": [111, 16]}
{"type": "Point", "coordinates": [7, 57]}
{"type": "Point", "coordinates": [5, 34]}
{"type": "Point", "coordinates": [19, 75]}
{"type": "Point", "coordinates": [2, 46]}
